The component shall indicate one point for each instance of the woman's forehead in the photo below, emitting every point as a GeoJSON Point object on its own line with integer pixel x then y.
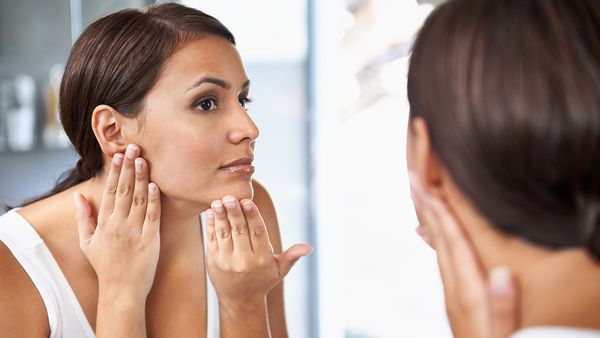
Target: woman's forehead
{"type": "Point", "coordinates": [210, 56]}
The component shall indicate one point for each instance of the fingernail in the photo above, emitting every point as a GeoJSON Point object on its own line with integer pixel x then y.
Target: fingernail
{"type": "Point", "coordinates": [209, 215]}
{"type": "Point", "coordinates": [78, 206]}
{"type": "Point", "coordinates": [229, 202]}
{"type": "Point", "coordinates": [247, 206]}
{"type": "Point", "coordinates": [131, 151]}
{"type": "Point", "coordinates": [412, 179]}
{"type": "Point", "coordinates": [118, 159]}
{"type": "Point", "coordinates": [415, 184]}
{"type": "Point", "coordinates": [138, 165]}
{"type": "Point", "coordinates": [500, 281]}
{"type": "Point", "coordinates": [76, 200]}
{"type": "Point", "coordinates": [152, 188]}
{"type": "Point", "coordinates": [217, 206]}
{"type": "Point", "coordinates": [419, 230]}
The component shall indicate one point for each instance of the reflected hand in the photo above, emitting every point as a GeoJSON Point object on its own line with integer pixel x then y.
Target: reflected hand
{"type": "Point", "coordinates": [479, 304]}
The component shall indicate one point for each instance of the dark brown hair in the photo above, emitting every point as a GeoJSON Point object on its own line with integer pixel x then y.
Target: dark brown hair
{"type": "Point", "coordinates": [510, 90]}
{"type": "Point", "coordinates": [116, 61]}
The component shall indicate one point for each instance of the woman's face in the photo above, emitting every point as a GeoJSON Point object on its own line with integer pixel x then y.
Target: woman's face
{"type": "Point", "coordinates": [194, 130]}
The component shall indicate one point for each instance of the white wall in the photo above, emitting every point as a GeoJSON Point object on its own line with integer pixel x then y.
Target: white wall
{"type": "Point", "coordinates": [376, 277]}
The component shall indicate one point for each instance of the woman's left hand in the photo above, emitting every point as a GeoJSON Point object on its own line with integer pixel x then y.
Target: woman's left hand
{"type": "Point", "coordinates": [479, 304]}
{"type": "Point", "coordinates": [241, 263]}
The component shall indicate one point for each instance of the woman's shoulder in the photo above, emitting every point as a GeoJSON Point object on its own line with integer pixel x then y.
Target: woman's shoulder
{"type": "Point", "coordinates": [22, 311]}
{"type": "Point", "coordinates": [46, 209]}
{"type": "Point", "coordinates": [264, 203]}
{"type": "Point", "coordinates": [51, 217]}
{"type": "Point", "coordinates": [260, 192]}
{"type": "Point", "coordinates": [263, 200]}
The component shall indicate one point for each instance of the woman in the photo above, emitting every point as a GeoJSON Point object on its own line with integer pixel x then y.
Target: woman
{"type": "Point", "coordinates": [504, 153]}
{"type": "Point", "coordinates": [167, 84]}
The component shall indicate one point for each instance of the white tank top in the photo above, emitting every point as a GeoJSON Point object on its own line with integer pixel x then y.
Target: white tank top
{"type": "Point", "coordinates": [66, 318]}
{"type": "Point", "coordinates": [556, 332]}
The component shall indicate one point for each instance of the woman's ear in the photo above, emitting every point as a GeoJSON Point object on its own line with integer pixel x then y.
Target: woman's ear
{"type": "Point", "coordinates": [422, 160]}
{"type": "Point", "coordinates": [107, 126]}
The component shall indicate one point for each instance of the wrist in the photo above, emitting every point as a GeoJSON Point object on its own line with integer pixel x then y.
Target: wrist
{"type": "Point", "coordinates": [240, 308]}
{"type": "Point", "coordinates": [121, 298]}
{"type": "Point", "coordinates": [120, 314]}
{"type": "Point", "coordinates": [247, 318]}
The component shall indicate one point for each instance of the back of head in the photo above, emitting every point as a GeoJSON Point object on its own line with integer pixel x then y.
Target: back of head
{"type": "Point", "coordinates": [116, 61]}
{"type": "Point", "coordinates": [510, 90]}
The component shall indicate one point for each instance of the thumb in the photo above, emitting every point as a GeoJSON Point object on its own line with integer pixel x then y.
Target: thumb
{"type": "Point", "coordinates": [289, 257]}
{"type": "Point", "coordinates": [85, 222]}
{"type": "Point", "coordinates": [503, 298]}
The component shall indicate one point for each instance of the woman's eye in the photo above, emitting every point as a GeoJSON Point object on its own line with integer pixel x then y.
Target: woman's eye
{"type": "Point", "coordinates": [244, 101]}
{"type": "Point", "coordinates": [207, 105]}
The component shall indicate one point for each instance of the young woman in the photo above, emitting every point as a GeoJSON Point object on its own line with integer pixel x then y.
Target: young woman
{"type": "Point", "coordinates": [504, 153]}
{"type": "Point", "coordinates": [156, 96]}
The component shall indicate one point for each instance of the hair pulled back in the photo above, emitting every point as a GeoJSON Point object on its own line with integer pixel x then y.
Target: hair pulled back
{"type": "Point", "coordinates": [510, 90]}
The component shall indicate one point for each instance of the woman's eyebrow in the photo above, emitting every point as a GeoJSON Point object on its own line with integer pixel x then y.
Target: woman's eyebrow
{"type": "Point", "coordinates": [219, 82]}
{"type": "Point", "coordinates": [209, 79]}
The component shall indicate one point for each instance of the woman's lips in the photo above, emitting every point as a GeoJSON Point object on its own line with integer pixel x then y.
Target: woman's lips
{"type": "Point", "coordinates": [240, 166]}
{"type": "Point", "coordinates": [239, 169]}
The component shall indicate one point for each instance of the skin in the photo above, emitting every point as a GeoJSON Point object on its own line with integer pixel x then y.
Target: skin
{"type": "Point", "coordinates": [187, 132]}
{"type": "Point", "coordinates": [469, 249]}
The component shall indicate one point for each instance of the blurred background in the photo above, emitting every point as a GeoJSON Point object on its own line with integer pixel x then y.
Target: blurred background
{"type": "Point", "coordinates": [329, 90]}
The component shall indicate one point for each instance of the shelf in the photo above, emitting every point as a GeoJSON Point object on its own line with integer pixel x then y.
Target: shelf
{"type": "Point", "coordinates": [36, 151]}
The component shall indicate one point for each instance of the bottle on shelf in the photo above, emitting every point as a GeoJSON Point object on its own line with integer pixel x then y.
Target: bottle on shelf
{"type": "Point", "coordinates": [20, 115]}
{"type": "Point", "coordinates": [54, 135]}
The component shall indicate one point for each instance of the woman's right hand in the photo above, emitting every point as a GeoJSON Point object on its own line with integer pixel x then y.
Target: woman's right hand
{"type": "Point", "coordinates": [123, 245]}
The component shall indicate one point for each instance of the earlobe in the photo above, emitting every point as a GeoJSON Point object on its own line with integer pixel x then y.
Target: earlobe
{"type": "Point", "coordinates": [426, 164]}
{"type": "Point", "coordinates": [106, 124]}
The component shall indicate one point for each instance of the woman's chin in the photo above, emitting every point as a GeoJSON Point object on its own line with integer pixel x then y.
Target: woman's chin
{"type": "Point", "coordinates": [198, 201]}
{"type": "Point", "coordinates": [240, 190]}
{"type": "Point", "coordinates": [245, 191]}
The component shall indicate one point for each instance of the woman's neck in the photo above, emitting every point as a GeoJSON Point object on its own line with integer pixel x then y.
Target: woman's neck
{"type": "Point", "coordinates": [556, 288]}
{"type": "Point", "coordinates": [561, 289]}
{"type": "Point", "coordinates": [178, 226]}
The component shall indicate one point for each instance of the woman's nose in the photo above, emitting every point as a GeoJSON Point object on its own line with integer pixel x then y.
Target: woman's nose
{"type": "Point", "coordinates": [244, 128]}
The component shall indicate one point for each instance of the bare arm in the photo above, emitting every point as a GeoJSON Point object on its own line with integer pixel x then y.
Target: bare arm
{"type": "Point", "coordinates": [120, 315]}
{"type": "Point", "coordinates": [248, 319]}
{"type": "Point", "coordinates": [22, 311]}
